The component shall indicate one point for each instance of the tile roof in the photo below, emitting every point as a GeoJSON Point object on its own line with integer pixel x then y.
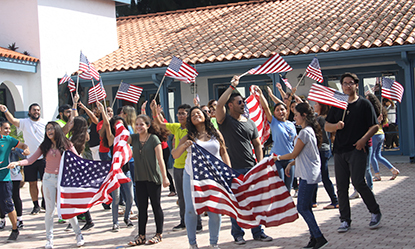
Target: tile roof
{"type": "Point", "coordinates": [257, 29]}
{"type": "Point", "coordinates": [7, 53]}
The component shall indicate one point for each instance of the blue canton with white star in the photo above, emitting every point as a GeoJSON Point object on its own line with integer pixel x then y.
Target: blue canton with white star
{"type": "Point", "coordinates": [82, 173]}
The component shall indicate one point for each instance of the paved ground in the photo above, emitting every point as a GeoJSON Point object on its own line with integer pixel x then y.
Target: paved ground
{"type": "Point", "coordinates": [397, 228]}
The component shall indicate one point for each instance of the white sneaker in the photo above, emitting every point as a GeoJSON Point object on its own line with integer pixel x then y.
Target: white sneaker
{"type": "Point", "coordinates": [214, 246]}
{"type": "Point", "coordinates": [80, 240]}
{"type": "Point", "coordinates": [49, 244]}
{"type": "Point", "coordinates": [295, 193]}
{"type": "Point", "coordinates": [354, 195]}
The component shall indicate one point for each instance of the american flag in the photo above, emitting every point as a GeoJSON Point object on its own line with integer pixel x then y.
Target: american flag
{"type": "Point", "coordinates": [71, 85]}
{"type": "Point", "coordinates": [314, 71]}
{"type": "Point", "coordinates": [368, 89]}
{"type": "Point", "coordinates": [392, 90]}
{"type": "Point", "coordinates": [64, 79]}
{"type": "Point", "coordinates": [287, 84]}
{"type": "Point", "coordinates": [129, 92]}
{"type": "Point", "coordinates": [96, 93]}
{"type": "Point", "coordinates": [328, 96]}
{"type": "Point", "coordinates": [275, 64]}
{"type": "Point", "coordinates": [257, 114]}
{"type": "Point", "coordinates": [88, 70]}
{"type": "Point", "coordinates": [84, 183]}
{"type": "Point", "coordinates": [181, 71]}
{"type": "Point", "coordinates": [257, 198]}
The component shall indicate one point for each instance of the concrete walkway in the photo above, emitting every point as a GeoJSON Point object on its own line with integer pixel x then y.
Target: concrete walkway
{"type": "Point", "coordinates": [397, 228]}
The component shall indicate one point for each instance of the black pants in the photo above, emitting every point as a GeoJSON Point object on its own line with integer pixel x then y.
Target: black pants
{"type": "Point", "coordinates": [352, 165]}
{"type": "Point", "coordinates": [166, 155]}
{"type": "Point", "coordinates": [145, 190]}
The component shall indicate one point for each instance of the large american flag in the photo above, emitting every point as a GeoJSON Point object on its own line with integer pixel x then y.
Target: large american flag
{"type": "Point", "coordinates": [129, 92]}
{"type": "Point", "coordinates": [328, 96]}
{"type": "Point", "coordinates": [391, 89]}
{"type": "Point", "coordinates": [96, 93]}
{"type": "Point", "coordinates": [314, 71]}
{"type": "Point", "coordinates": [181, 71]}
{"type": "Point", "coordinates": [84, 183]}
{"type": "Point", "coordinates": [88, 70]}
{"type": "Point", "coordinates": [275, 64]}
{"type": "Point", "coordinates": [257, 114]}
{"type": "Point", "coordinates": [258, 198]}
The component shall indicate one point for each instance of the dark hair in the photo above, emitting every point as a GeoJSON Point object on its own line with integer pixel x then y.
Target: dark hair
{"type": "Point", "coordinates": [324, 109]}
{"type": "Point", "coordinates": [64, 107]}
{"type": "Point", "coordinates": [186, 107]}
{"type": "Point", "coordinates": [161, 133]}
{"type": "Point", "coordinates": [118, 110]}
{"type": "Point", "coordinates": [62, 142]}
{"type": "Point", "coordinates": [3, 121]}
{"type": "Point", "coordinates": [351, 75]}
{"type": "Point", "coordinates": [210, 129]}
{"type": "Point", "coordinates": [310, 120]}
{"type": "Point", "coordinates": [211, 102]}
{"type": "Point", "coordinates": [113, 121]}
{"type": "Point", "coordinates": [34, 104]}
{"type": "Point", "coordinates": [79, 133]}
{"type": "Point", "coordinates": [232, 97]}
{"type": "Point", "coordinates": [375, 103]}
{"type": "Point", "coordinates": [278, 104]}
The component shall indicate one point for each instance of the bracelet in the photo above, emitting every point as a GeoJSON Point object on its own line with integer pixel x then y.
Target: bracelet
{"type": "Point", "coordinates": [155, 116]}
{"type": "Point", "coordinates": [6, 110]}
{"type": "Point", "coordinates": [73, 109]}
{"type": "Point", "coordinates": [231, 86]}
{"type": "Point", "coordinates": [278, 158]}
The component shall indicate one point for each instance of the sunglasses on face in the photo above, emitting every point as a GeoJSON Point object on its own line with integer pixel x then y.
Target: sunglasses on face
{"type": "Point", "coordinates": [240, 102]}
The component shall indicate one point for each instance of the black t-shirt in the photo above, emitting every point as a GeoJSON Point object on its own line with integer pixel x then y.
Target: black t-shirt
{"type": "Point", "coordinates": [360, 116]}
{"type": "Point", "coordinates": [93, 135]}
{"type": "Point", "coordinates": [238, 136]}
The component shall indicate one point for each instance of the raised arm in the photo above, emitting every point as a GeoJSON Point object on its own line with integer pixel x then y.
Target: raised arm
{"type": "Point", "coordinates": [279, 87]}
{"type": "Point", "coordinates": [14, 121]}
{"type": "Point", "coordinates": [273, 97]}
{"type": "Point", "coordinates": [220, 107]}
{"type": "Point", "coordinates": [88, 112]}
{"type": "Point", "coordinates": [68, 126]}
{"type": "Point", "coordinates": [106, 129]}
{"type": "Point", "coordinates": [143, 108]}
{"type": "Point", "coordinates": [264, 104]}
{"type": "Point", "coordinates": [156, 115]}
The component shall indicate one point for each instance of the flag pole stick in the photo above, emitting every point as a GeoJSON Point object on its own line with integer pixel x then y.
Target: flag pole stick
{"type": "Point", "coordinates": [162, 80]}
{"type": "Point", "coordinates": [77, 82]}
{"type": "Point", "coordinates": [113, 102]}
{"type": "Point", "coordinates": [302, 77]}
{"type": "Point", "coordinates": [344, 113]}
{"type": "Point", "coordinates": [195, 87]}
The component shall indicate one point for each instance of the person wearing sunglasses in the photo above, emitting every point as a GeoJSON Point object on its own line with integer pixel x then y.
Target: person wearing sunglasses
{"type": "Point", "coordinates": [239, 132]}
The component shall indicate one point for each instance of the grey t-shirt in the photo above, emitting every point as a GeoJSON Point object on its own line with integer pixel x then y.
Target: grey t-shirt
{"type": "Point", "coordinates": [307, 163]}
{"type": "Point", "coordinates": [238, 136]}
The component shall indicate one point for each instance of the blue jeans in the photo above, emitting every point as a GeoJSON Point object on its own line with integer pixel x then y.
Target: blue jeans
{"type": "Point", "coordinates": [304, 207]}
{"type": "Point", "coordinates": [368, 174]}
{"type": "Point", "coordinates": [190, 217]}
{"type": "Point", "coordinates": [325, 177]}
{"type": "Point", "coordinates": [127, 188]}
{"type": "Point", "coordinates": [377, 142]}
{"type": "Point", "coordinates": [281, 165]}
{"type": "Point", "coordinates": [236, 230]}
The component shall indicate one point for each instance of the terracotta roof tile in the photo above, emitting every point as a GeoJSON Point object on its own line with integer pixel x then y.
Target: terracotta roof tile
{"type": "Point", "coordinates": [257, 29]}
{"type": "Point", "coordinates": [4, 52]}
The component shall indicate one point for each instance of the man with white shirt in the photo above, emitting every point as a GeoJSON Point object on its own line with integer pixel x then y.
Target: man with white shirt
{"type": "Point", "coordinates": [33, 129]}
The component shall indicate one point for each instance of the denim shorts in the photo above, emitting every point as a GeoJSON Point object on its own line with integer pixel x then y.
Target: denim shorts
{"type": "Point", "coordinates": [6, 202]}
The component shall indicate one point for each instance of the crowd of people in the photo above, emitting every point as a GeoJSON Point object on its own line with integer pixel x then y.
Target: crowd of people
{"type": "Point", "coordinates": [304, 138]}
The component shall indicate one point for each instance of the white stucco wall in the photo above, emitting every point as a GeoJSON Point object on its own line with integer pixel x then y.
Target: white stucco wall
{"type": "Point", "coordinates": [55, 31]}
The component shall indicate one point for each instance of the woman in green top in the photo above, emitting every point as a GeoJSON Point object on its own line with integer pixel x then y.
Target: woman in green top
{"type": "Point", "coordinates": [149, 174]}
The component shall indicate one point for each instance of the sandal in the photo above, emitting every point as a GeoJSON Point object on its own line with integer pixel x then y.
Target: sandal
{"type": "Point", "coordinates": [171, 194]}
{"type": "Point", "coordinates": [395, 173]}
{"type": "Point", "coordinates": [156, 239]}
{"type": "Point", "coordinates": [138, 240]}
{"type": "Point", "coordinates": [377, 178]}
{"type": "Point", "coordinates": [331, 206]}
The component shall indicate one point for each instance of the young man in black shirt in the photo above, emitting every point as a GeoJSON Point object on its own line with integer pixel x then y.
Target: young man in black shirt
{"type": "Point", "coordinates": [350, 150]}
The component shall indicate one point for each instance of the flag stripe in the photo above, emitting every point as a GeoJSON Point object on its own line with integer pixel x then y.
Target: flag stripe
{"type": "Point", "coordinates": [181, 71]}
{"type": "Point", "coordinates": [275, 64]}
{"type": "Point", "coordinates": [325, 95]}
